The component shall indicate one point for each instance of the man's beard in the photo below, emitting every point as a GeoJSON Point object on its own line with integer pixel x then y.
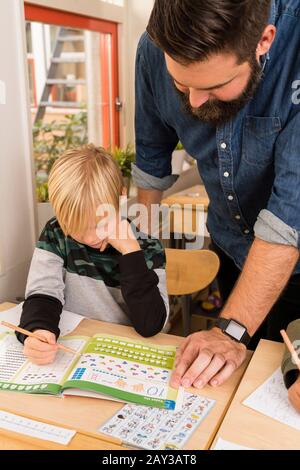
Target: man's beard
{"type": "Point", "coordinates": [218, 112]}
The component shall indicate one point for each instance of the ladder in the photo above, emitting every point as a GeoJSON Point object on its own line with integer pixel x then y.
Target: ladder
{"type": "Point", "coordinates": [63, 36]}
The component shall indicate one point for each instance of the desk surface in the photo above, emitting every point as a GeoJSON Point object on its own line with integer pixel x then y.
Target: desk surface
{"type": "Point", "coordinates": [195, 195]}
{"type": "Point", "coordinates": [87, 414]}
{"type": "Point", "coordinates": [247, 427]}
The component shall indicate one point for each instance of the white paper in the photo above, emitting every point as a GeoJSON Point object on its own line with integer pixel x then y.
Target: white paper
{"type": "Point", "coordinates": [68, 320]}
{"type": "Point", "coordinates": [29, 427]}
{"type": "Point", "coordinates": [271, 399]}
{"type": "Point", "coordinates": [221, 444]}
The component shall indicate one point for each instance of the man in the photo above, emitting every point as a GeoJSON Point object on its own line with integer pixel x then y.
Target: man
{"type": "Point", "coordinates": [224, 77]}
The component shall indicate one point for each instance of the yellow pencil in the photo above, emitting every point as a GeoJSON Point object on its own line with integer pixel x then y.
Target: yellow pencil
{"type": "Point", "coordinates": [33, 335]}
{"type": "Point", "coordinates": [290, 348]}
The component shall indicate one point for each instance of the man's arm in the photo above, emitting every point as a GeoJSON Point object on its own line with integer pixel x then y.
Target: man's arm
{"type": "Point", "coordinates": [210, 356]}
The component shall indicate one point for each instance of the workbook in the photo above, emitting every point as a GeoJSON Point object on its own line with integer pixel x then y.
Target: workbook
{"type": "Point", "coordinates": [106, 366]}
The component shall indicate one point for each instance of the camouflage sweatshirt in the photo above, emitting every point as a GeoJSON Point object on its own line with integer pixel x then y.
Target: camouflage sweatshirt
{"type": "Point", "coordinates": [129, 289]}
{"type": "Point", "coordinates": [289, 369]}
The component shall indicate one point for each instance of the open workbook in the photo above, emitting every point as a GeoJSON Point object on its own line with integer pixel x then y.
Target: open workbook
{"type": "Point", "coordinates": [108, 366]}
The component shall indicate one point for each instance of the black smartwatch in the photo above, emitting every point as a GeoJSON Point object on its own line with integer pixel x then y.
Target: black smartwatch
{"type": "Point", "coordinates": [234, 330]}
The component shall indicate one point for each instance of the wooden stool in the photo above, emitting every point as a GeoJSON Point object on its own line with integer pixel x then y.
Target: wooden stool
{"type": "Point", "coordinates": [189, 271]}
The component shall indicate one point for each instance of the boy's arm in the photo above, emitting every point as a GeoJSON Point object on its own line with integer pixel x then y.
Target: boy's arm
{"type": "Point", "coordinates": [44, 294]}
{"type": "Point", "coordinates": [144, 292]}
{"type": "Point", "coordinates": [289, 368]}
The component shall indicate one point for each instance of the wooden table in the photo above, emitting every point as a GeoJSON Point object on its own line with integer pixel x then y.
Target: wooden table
{"type": "Point", "coordinates": [94, 412]}
{"type": "Point", "coordinates": [198, 200]}
{"type": "Point", "coordinates": [247, 427]}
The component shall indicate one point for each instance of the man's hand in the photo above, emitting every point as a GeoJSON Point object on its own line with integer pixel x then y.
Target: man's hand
{"type": "Point", "coordinates": [294, 395]}
{"type": "Point", "coordinates": [40, 352]}
{"type": "Point", "coordinates": [207, 357]}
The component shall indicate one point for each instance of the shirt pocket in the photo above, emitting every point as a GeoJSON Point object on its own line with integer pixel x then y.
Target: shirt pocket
{"type": "Point", "coordinates": [259, 137]}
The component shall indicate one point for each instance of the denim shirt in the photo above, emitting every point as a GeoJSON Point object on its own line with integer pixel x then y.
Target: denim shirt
{"type": "Point", "coordinates": [251, 165]}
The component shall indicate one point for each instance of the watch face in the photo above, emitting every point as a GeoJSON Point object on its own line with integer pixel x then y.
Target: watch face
{"type": "Point", "coordinates": [235, 330]}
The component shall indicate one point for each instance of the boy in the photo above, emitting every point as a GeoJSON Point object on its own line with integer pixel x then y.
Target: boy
{"type": "Point", "coordinates": [118, 279]}
{"type": "Point", "coordinates": [290, 371]}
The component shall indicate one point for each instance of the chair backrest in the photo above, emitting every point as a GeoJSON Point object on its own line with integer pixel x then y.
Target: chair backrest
{"type": "Point", "coordinates": [190, 271]}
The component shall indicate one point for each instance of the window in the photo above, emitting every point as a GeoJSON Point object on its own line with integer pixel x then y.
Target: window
{"type": "Point", "coordinates": [73, 78]}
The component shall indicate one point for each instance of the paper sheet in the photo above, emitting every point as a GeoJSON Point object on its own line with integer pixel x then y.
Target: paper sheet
{"type": "Point", "coordinates": [68, 320]}
{"type": "Point", "coordinates": [221, 444]}
{"type": "Point", "coordinates": [271, 399]}
{"type": "Point", "coordinates": [29, 427]}
{"type": "Point", "coordinates": [153, 429]}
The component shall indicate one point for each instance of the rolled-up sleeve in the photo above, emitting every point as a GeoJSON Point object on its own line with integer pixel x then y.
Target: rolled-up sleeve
{"type": "Point", "coordinates": [155, 140]}
{"type": "Point", "coordinates": [279, 223]}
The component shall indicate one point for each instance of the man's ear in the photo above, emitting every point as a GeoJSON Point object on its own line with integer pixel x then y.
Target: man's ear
{"type": "Point", "coordinates": [266, 41]}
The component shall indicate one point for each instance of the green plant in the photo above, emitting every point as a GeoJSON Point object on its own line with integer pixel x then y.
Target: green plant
{"type": "Point", "coordinates": [42, 191]}
{"type": "Point", "coordinates": [50, 140]}
{"type": "Point", "coordinates": [124, 157]}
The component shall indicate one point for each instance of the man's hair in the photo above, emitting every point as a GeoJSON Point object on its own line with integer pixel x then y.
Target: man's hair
{"type": "Point", "coordinates": [81, 180]}
{"type": "Point", "coordinates": [192, 30]}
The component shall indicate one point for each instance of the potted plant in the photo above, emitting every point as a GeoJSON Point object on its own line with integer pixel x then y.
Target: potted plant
{"type": "Point", "coordinates": [50, 140]}
{"type": "Point", "coordinates": [125, 158]}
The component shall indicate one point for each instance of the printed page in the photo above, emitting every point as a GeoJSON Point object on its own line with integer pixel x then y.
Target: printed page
{"type": "Point", "coordinates": [271, 399]}
{"type": "Point", "coordinates": [153, 429]}
{"type": "Point", "coordinates": [68, 320]}
{"type": "Point", "coordinates": [127, 370]}
{"type": "Point", "coordinates": [18, 374]}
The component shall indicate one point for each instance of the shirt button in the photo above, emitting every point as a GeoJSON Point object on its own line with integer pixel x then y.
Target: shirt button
{"type": "Point", "coordinates": [230, 198]}
{"type": "Point", "coordinates": [238, 217]}
{"type": "Point", "coordinates": [246, 232]}
{"type": "Point", "coordinates": [223, 146]}
{"type": "Point", "coordinates": [226, 174]}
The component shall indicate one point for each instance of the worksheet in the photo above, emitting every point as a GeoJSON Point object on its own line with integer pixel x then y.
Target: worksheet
{"type": "Point", "coordinates": [271, 399]}
{"type": "Point", "coordinates": [152, 428]}
{"type": "Point", "coordinates": [68, 320]}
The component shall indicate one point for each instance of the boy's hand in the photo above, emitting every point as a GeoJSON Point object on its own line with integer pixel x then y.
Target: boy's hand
{"type": "Point", "coordinates": [123, 239]}
{"type": "Point", "coordinates": [38, 352]}
{"type": "Point", "coordinates": [294, 395]}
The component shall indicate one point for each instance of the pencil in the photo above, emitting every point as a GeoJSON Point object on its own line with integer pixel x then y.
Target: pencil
{"type": "Point", "coordinates": [33, 335]}
{"type": "Point", "coordinates": [290, 348]}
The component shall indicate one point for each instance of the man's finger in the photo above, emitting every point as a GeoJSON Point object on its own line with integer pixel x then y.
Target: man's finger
{"type": "Point", "coordinates": [186, 359]}
{"type": "Point", "coordinates": [216, 364]}
{"type": "Point", "coordinates": [224, 374]}
{"type": "Point", "coordinates": [181, 350]}
{"type": "Point", "coordinates": [201, 363]}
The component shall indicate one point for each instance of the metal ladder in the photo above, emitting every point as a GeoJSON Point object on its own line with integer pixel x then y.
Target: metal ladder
{"type": "Point", "coordinates": [52, 80]}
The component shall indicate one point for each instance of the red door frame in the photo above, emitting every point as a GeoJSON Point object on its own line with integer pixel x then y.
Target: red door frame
{"type": "Point", "coordinates": [63, 18]}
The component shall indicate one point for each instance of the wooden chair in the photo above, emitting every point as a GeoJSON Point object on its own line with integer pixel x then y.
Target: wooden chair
{"type": "Point", "coordinates": [189, 271]}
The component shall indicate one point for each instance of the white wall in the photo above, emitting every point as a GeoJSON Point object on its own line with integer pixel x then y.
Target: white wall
{"type": "Point", "coordinates": [17, 218]}
{"type": "Point", "coordinates": [137, 16]}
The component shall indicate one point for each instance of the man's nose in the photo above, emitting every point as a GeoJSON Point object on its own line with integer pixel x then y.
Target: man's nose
{"type": "Point", "coordinates": [198, 98]}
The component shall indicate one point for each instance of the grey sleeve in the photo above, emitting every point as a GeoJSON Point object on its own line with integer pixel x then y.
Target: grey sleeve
{"type": "Point", "coordinates": [145, 181]}
{"type": "Point", "coordinates": [162, 286]}
{"type": "Point", "coordinates": [273, 230]}
{"type": "Point", "coordinates": [46, 275]}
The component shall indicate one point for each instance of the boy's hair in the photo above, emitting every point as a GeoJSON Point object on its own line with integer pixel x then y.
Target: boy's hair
{"type": "Point", "coordinates": [80, 180]}
{"type": "Point", "coordinates": [192, 30]}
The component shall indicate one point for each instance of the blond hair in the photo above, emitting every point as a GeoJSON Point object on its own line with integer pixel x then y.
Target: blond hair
{"type": "Point", "coordinates": [81, 180]}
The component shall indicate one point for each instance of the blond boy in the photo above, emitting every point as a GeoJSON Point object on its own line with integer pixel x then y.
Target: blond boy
{"type": "Point", "coordinates": [115, 278]}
